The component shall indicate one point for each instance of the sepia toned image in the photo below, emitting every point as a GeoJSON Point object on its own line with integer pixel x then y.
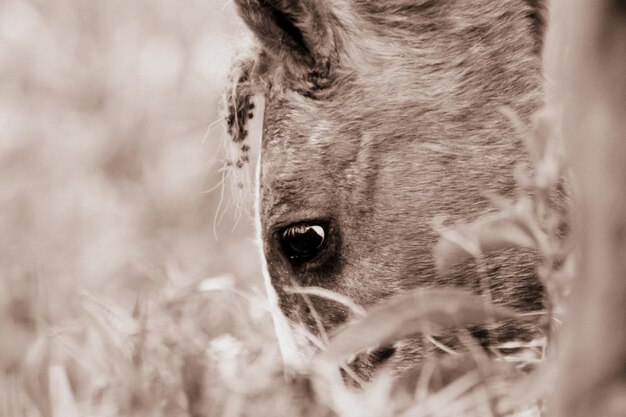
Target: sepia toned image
{"type": "Point", "coordinates": [343, 208]}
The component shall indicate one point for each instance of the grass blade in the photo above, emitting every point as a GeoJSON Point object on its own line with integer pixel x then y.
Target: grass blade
{"type": "Point", "coordinates": [419, 311]}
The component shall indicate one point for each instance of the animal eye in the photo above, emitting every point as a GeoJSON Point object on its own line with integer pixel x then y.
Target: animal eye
{"type": "Point", "coordinates": [303, 242]}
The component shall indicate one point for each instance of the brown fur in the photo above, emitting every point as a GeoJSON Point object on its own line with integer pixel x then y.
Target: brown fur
{"type": "Point", "coordinates": [380, 116]}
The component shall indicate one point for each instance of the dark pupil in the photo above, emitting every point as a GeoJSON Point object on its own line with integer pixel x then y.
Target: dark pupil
{"type": "Point", "coordinates": [303, 241]}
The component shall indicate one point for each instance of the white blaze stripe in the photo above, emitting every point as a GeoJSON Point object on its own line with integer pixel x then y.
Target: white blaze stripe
{"type": "Point", "coordinates": [292, 352]}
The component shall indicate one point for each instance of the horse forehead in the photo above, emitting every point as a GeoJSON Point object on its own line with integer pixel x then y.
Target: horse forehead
{"type": "Point", "coordinates": [307, 164]}
{"type": "Point", "coordinates": [300, 136]}
{"type": "Point", "coordinates": [309, 155]}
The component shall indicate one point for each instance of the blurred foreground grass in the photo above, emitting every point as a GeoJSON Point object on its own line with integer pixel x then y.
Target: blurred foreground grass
{"type": "Point", "coordinates": [110, 199]}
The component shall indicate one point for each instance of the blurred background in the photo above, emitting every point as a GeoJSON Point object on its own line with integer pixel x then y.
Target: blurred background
{"type": "Point", "coordinates": [111, 155]}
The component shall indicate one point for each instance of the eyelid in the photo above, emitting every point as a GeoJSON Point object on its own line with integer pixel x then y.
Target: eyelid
{"type": "Point", "coordinates": [280, 227]}
{"type": "Point", "coordinates": [287, 216]}
{"type": "Point", "coordinates": [325, 226]}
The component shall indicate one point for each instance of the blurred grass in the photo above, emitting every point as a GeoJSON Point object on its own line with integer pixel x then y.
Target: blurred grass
{"type": "Point", "coordinates": [110, 170]}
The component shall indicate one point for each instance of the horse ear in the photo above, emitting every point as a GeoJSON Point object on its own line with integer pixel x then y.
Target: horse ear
{"type": "Point", "coordinates": [297, 33]}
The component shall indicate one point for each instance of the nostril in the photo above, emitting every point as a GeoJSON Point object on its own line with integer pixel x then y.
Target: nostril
{"type": "Point", "coordinates": [382, 354]}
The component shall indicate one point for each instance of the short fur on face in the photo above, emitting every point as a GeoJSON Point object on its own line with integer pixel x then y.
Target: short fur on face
{"type": "Point", "coordinates": [379, 117]}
